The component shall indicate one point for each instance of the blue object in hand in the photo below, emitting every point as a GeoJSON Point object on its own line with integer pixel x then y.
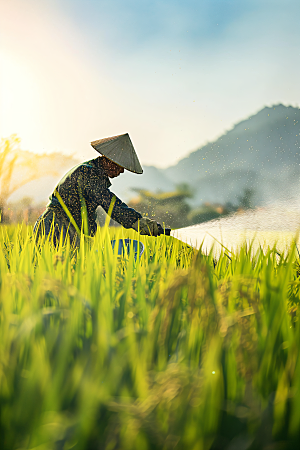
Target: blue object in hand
{"type": "Point", "coordinates": [126, 245]}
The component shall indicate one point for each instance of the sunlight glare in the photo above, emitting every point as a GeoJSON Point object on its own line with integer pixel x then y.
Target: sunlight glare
{"type": "Point", "coordinates": [19, 93]}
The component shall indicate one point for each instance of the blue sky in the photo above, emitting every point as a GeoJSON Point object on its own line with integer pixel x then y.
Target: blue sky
{"type": "Point", "coordinates": [174, 74]}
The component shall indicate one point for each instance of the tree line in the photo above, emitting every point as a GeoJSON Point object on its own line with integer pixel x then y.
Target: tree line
{"type": "Point", "coordinates": [172, 209]}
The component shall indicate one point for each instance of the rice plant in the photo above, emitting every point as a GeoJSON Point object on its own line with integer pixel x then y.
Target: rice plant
{"type": "Point", "coordinates": [173, 349]}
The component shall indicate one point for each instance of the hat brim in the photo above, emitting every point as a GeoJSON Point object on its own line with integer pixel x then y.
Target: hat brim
{"type": "Point", "coordinates": [120, 150]}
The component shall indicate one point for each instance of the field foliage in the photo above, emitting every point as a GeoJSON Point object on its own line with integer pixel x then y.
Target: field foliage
{"type": "Point", "coordinates": [174, 350]}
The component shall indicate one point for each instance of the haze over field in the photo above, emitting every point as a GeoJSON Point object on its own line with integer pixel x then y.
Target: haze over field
{"type": "Point", "coordinates": [261, 154]}
{"type": "Point", "coordinates": [173, 74]}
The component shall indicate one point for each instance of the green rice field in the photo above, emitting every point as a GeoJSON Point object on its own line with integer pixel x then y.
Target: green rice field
{"type": "Point", "coordinates": [176, 350]}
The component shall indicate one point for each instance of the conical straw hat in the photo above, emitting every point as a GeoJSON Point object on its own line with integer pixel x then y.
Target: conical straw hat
{"type": "Point", "coordinates": [119, 149]}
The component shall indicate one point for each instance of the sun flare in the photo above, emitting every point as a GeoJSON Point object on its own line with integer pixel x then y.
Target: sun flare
{"type": "Point", "coordinates": [19, 95]}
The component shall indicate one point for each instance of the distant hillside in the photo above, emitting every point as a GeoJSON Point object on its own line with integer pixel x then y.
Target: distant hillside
{"type": "Point", "coordinates": [260, 153]}
{"type": "Point", "coordinates": [265, 142]}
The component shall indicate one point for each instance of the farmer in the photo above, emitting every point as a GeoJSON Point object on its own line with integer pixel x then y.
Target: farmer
{"type": "Point", "coordinates": [75, 199]}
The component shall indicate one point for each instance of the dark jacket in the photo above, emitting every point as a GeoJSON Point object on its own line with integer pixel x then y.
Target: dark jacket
{"type": "Point", "coordinates": [82, 190]}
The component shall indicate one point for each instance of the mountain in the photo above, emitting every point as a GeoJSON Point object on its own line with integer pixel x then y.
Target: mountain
{"type": "Point", "coordinates": [260, 153]}
{"type": "Point", "coordinates": [264, 142]}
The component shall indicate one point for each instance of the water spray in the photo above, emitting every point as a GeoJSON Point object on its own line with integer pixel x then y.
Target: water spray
{"type": "Point", "coordinates": [266, 227]}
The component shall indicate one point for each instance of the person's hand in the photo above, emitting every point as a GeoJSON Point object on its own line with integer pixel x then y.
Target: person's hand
{"type": "Point", "coordinates": [146, 226]}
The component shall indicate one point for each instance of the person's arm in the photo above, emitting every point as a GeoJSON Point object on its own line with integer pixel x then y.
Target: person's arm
{"type": "Point", "coordinates": [97, 190]}
{"type": "Point", "coordinates": [121, 213]}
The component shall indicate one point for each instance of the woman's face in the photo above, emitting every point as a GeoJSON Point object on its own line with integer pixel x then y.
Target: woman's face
{"type": "Point", "coordinates": [112, 169]}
